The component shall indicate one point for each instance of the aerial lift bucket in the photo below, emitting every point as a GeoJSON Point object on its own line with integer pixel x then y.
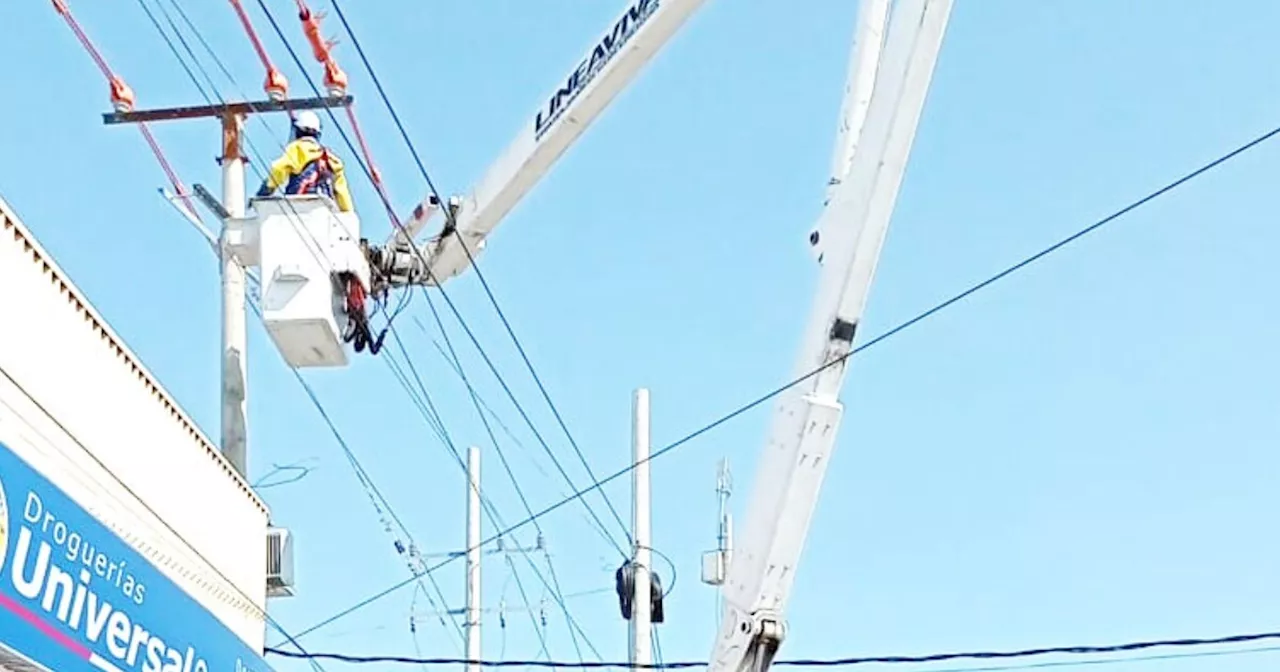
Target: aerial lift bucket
{"type": "Point", "coordinates": [303, 245]}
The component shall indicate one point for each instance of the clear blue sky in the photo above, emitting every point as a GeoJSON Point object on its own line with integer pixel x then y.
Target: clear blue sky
{"type": "Point", "coordinates": [1084, 453]}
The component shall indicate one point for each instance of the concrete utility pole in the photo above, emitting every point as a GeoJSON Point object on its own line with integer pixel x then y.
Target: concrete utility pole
{"type": "Point", "coordinates": [641, 625]}
{"type": "Point", "coordinates": [235, 427]}
{"type": "Point", "coordinates": [473, 559]}
{"type": "Point", "coordinates": [234, 439]}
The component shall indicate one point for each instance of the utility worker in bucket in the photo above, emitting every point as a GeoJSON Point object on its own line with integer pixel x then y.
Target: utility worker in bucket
{"type": "Point", "coordinates": [308, 167]}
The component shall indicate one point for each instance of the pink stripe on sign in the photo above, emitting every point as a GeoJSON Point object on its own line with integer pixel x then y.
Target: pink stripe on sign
{"type": "Point", "coordinates": [43, 626]}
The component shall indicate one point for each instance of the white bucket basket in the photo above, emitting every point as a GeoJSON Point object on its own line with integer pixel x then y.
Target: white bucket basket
{"type": "Point", "coordinates": [299, 244]}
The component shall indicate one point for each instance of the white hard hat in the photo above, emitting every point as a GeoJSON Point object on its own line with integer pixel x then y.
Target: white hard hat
{"type": "Point", "coordinates": [307, 121]}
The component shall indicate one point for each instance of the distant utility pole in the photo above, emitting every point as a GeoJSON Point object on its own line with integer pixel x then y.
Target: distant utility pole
{"type": "Point", "coordinates": [234, 438]}
{"type": "Point", "coordinates": [641, 625]}
{"type": "Point", "coordinates": [473, 559]}
{"type": "Point", "coordinates": [473, 553]}
{"type": "Point", "coordinates": [715, 564]}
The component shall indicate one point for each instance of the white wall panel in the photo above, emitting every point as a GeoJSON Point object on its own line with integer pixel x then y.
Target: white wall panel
{"type": "Point", "coordinates": [81, 408]}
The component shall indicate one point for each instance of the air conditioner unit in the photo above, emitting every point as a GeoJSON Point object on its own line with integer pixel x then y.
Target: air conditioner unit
{"type": "Point", "coordinates": [280, 582]}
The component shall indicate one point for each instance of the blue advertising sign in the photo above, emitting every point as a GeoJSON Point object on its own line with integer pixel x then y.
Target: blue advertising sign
{"type": "Point", "coordinates": [74, 596]}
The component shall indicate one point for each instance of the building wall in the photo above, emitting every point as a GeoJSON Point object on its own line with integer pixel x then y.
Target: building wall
{"type": "Point", "coordinates": [82, 410]}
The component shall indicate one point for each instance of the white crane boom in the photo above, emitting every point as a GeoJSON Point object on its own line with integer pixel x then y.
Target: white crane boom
{"type": "Point", "coordinates": [864, 63]}
{"type": "Point", "coordinates": [851, 230]}
{"type": "Point", "coordinates": [635, 37]}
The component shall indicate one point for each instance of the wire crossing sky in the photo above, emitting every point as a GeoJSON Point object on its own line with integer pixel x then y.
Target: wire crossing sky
{"type": "Point", "coordinates": [1083, 453]}
{"type": "Point", "coordinates": [1083, 651]}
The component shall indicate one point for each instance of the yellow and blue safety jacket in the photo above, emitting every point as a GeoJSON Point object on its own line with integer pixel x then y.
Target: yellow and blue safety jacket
{"type": "Point", "coordinates": [307, 167]}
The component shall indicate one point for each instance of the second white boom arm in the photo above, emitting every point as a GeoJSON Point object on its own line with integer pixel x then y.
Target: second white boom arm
{"type": "Point", "coordinates": [635, 37]}
{"type": "Point", "coordinates": [850, 233]}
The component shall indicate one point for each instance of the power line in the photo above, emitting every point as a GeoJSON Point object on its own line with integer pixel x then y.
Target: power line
{"type": "Point", "coordinates": [374, 494]}
{"type": "Point", "coordinates": [455, 363]}
{"type": "Point", "coordinates": [438, 423]}
{"type": "Point", "coordinates": [574, 629]}
{"type": "Point", "coordinates": [862, 348]}
{"type": "Point", "coordinates": [836, 662]}
{"type": "Point", "coordinates": [1111, 661]}
{"type": "Point", "coordinates": [315, 664]}
{"type": "Point", "coordinates": [426, 176]}
{"type": "Point", "coordinates": [496, 519]}
{"type": "Point", "coordinates": [362, 476]}
{"type": "Point", "coordinates": [556, 591]}
{"type": "Point", "coordinates": [399, 227]}
{"type": "Point", "coordinates": [487, 410]}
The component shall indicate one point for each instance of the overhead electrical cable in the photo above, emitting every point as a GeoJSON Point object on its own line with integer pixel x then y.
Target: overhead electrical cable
{"type": "Point", "coordinates": [383, 195]}
{"type": "Point", "coordinates": [901, 327]}
{"type": "Point", "coordinates": [400, 228]}
{"type": "Point", "coordinates": [122, 98]}
{"type": "Point", "coordinates": [311, 658]}
{"type": "Point", "coordinates": [849, 661]}
{"type": "Point", "coordinates": [256, 161]}
{"type": "Point", "coordinates": [555, 588]}
{"type": "Point", "coordinates": [410, 554]}
{"type": "Point", "coordinates": [426, 408]}
{"type": "Point", "coordinates": [426, 176]}
{"type": "Point", "coordinates": [483, 410]}
{"type": "Point", "coordinates": [173, 47]}
{"type": "Point", "coordinates": [497, 419]}
{"type": "Point", "coordinates": [493, 415]}
{"type": "Point", "coordinates": [375, 496]}
{"type": "Point", "coordinates": [496, 519]}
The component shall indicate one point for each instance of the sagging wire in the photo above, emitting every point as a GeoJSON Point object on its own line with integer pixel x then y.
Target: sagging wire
{"type": "Point", "coordinates": [666, 593]}
{"type": "Point", "coordinates": [299, 471]}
